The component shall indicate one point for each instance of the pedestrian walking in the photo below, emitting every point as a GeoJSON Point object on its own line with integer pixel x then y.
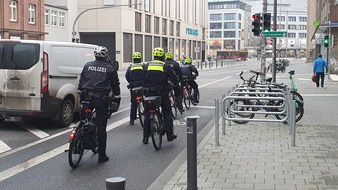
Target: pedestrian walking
{"type": "Point", "coordinates": [319, 67]}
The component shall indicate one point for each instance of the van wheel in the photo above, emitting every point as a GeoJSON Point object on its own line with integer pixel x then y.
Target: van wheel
{"type": "Point", "coordinates": [66, 113]}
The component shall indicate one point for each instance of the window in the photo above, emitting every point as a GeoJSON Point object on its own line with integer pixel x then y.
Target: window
{"type": "Point", "coordinates": [14, 10]}
{"type": "Point", "coordinates": [216, 25]}
{"type": "Point", "coordinates": [281, 26]}
{"type": "Point", "coordinates": [171, 28]}
{"type": "Point", "coordinates": [302, 35]}
{"type": "Point", "coordinates": [178, 29]}
{"type": "Point", "coordinates": [61, 19]}
{"type": "Point", "coordinates": [302, 19]}
{"type": "Point", "coordinates": [47, 17]}
{"type": "Point", "coordinates": [214, 17]}
{"type": "Point", "coordinates": [302, 27]}
{"type": "Point", "coordinates": [215, 34]}
{"type": "Point", "coordinates": [229, 25]}
{"type": "Point", "coordinates": [292, 27]}
{"type": "Point", "coordinates": [53, 17]}
{"type": "Point", "coordinates": [164, 26]}
{"type": "Point", "coordinates": [292, 18]}
{"type": "Point", "coordinates": [138, 22]}
{"type": "Point", "coordinates": [31, 14]}
{"type": "Point", "coordinates": [282, 18]}
{"type": "Point", "coordinates": [156, 25]}
{"type": "Point", "coordinates": [239, 16]}
{"type": "Point", "coordinates": [127, 47]}
{"type": "Point", "coordinates": [229, 34]}
{"type": "Point", "coordinates": [229, 16]}
{"type": "Point", "coordinates": [291, 35]}
{"type": "Point", "coordinates": [148, 24]}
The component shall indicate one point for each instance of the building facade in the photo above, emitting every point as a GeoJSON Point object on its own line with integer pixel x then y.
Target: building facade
{"type": "Point", "coordinates": [178, 26]}
{"type": "Point", "coordinates": [324, 22]}
{"type": "Point", "coordinates": [229, 26]}
{"type": "Point", "coordinates": [22, 19]}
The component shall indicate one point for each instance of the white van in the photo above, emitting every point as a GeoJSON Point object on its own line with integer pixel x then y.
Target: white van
{"type": "Point", "coordinates": [40, 78]}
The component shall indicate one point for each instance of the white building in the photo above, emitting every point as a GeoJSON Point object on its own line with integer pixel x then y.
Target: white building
{"type": "Point", "coordinates": [175, 25]}
{"type": "Point", "coordinates": [229, 26]}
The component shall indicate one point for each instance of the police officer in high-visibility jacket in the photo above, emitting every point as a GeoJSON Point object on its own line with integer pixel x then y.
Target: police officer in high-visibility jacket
{"type": "Point", "coordinates": [156, 76]}
{"type": "Point", "coordinates": [98, 78]}
{"type": "Point", "coordinates": [134, 76]}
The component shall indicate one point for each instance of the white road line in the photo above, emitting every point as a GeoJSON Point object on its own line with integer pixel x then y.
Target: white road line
{"type": "Point", "coordinates": [325, 95]}
{"type": "Point", "coordinates": [205, 107]}
{"type": "Point", "coordinates": [48, 155]}
{"type": "Point", "coordinates": [214, 82]}
{"type": "Point", "coordinates": [37, 132]}
{"type": "Point", "coordinates": [4, 147]}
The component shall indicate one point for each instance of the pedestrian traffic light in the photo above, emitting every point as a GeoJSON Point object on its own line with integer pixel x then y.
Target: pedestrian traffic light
{"type": "Point", "coordinates": [256, 24]}
{"type": "Point", "coordinates": [334, 40]}
{"type": "Point", "coordinates": [267, 21]}
{"type": "Point", "coordinates": [326, 41]}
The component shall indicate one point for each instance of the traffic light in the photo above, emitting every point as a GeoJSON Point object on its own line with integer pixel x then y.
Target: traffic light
{"type": "Point", "coordinates": [256, 24]}
{"type": "Point", "coordinates": [334, 40]}
{"type": "Point", "coordinates": [326, 41]}
{"type": "Point", "coordinates": [267, 21]}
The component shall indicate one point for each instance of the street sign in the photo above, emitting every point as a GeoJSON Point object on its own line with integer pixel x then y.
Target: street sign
{"type": "Point", "coordinates": [274, 34]}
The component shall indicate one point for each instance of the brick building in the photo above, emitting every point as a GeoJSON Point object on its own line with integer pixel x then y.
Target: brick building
{"type": "Point", "coordinates": [22, 19]}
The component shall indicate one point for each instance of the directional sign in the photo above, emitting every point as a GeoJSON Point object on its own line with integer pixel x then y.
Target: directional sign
{"type": "Point", "coordinates": [274, 34]}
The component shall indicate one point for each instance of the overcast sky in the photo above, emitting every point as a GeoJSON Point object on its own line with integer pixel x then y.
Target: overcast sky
{"type": "Point", "coordinates": [257, 5]}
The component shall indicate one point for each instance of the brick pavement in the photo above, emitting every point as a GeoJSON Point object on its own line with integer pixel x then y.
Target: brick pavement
{"type": "Point", "coordinates": [260, 156]}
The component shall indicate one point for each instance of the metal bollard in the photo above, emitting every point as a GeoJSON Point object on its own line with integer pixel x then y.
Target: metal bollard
{"type": "Point", "coordinates": [293, 123]}
{"type": "Point", "coordinates": [228, 123]}
{"type": "Point", "coordinates": [116, 183]}
{"type": "Point", "coordinates": [191, 153]}
{"type": "Point", "coordinates": [216, 122]}
{"type": "Point", "coordinates": [223, 111]}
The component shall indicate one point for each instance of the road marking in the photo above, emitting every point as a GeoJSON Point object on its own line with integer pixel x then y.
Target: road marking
{"type": "Point", "coordinates": [46, 156]}
{"type": "Point", "coordinates": [325, 95]}
{"type": "Point", "coordinates": [3, 147]}
{"type": "Point", "coordinates": [214, 82]}
{"type": "Point", "coordinates": [37, 132]}
{"type": "Point", "coordinates": [205, 107]}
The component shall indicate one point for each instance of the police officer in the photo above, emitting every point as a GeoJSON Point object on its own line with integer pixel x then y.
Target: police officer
{"type": "Point", "coordinates": [98, 79]}
{"type": "Point", "coordinates": [156, 76]}
{"type": "Point", "coordinates": [178, 72]}
{"type": "Point", "coordinates": [134, 77]}
{"type": "Point", "coordinates": [189, 71]}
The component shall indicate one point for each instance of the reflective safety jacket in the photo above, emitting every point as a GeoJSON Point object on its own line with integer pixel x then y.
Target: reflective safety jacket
{"type": "Point", "coordinates": [157, 73]}
{"type": "Point", "coordinates": [134, 74]}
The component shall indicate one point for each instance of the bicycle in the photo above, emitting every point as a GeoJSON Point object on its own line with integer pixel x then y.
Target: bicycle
{"type": "Point", "coordinates": [84, 136]}
{"type": "Point", "coordinates": [172, 99]}
{"type": "Point", "coordinates": [188, 93]}
{"type": "Point", "coordinates": [137, 94]}
{"type": "Point", "coordinates": [152, 104]}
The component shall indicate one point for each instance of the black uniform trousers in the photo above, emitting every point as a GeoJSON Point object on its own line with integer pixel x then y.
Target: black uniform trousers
{"type": "Point", "coordinates": [167, 113]}
{"type": "Point", "coordinates": [101, 109]}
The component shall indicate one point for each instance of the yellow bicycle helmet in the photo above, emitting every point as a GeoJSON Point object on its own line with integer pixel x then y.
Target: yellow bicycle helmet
{"type": "Point", "coordinates": [137, 55]}
{"type": "Point", "coordinates": [169, 55]}
{"type": "Point", "coordinates": [158, 52]}
{"type": "Point", "coordinates": [187, 60]}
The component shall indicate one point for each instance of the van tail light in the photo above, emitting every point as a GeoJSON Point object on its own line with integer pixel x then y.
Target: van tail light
{"type": "Point", "coordinates": [44, 74]}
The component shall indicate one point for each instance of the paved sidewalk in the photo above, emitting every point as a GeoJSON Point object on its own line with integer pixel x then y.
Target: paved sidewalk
{"type": "Point", "coordinates": [259, 155]}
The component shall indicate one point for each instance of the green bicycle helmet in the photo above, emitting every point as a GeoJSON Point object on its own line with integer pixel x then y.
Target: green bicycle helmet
{"type": "Point", "coordinates": [169, 55]}
{"type": "Point", "coordinates": [158, 52]}
{"type": "Point", "coordinates": [187, 60]}
{"type": "Point", "coordinates": [137, 55]}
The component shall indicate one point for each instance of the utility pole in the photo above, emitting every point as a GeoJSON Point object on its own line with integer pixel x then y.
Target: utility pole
{"type": "Point", "coordinates": [263, 42]}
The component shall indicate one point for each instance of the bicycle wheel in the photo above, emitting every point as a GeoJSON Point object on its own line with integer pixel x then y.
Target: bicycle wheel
{"type": "Point", "coordinates": [241, 105]}
{"type": "Point", "coordinates": [75, 152]}
{"type": "Point", "coordinates": [186, 98]}
{"type": "Point", "coordinates": [174, 108]}
{"type": "Point", "coordinates": [299, 112]}
{"type": "Point", "coordinates": [297, 96]}
{"type": "Point", "coordinates": [192, 99]}
{"type": "Point", "coordinates": [156, 132]}
{"type": "Point", "coordinates": [140, 112]}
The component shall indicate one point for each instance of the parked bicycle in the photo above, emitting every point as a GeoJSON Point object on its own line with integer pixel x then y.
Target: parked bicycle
{"type": "Point", "coordinates": [157, 127]}
{"type": "Point", "coordinates": [137, 95]}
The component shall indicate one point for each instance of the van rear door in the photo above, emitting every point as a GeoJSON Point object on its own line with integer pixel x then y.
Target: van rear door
{"type": "Point", "coordinates": [20, 71]}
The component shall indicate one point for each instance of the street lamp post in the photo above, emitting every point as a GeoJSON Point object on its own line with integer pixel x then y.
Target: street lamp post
{"type": "Point", "coordinates": [94, 8]}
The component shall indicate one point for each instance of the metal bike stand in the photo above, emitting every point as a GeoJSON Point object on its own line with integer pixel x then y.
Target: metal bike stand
{"type": "Point", "coordinates": [116, 183]}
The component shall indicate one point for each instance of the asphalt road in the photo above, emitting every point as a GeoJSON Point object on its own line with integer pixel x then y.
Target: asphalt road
{"type": "Point", "coordinates": [32, 152]}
